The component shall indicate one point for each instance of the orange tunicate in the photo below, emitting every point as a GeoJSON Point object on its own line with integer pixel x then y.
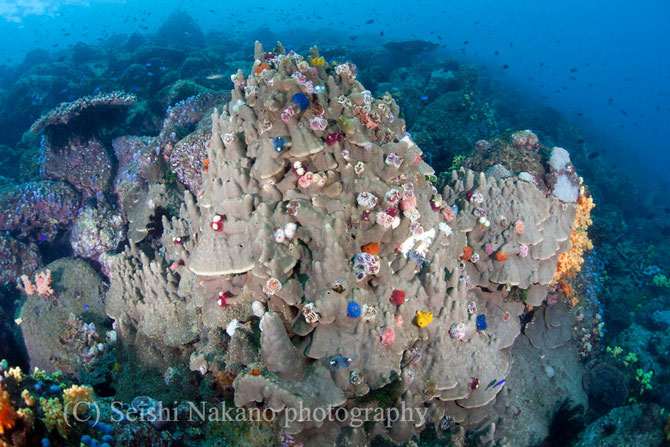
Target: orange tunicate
{"type": "Point", "coordinates": [467, 253]}
{"type": "Point", "coordinates": [501, 257]}
{"type": "Point", "coordinates": [206, 162]}
{"type": "Point", "coordinates": [371, 248]}
{"type": "Point", "coordinates": [255, 372]}
{"type": "Point", "coordinates": [262, 67]}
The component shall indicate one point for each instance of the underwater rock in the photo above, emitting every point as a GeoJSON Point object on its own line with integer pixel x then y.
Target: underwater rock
{"type": "Point", "coordinates": [286, 229]}
{"type": "Point", "coordinates": [96, 231]}
{"type": "Point", "coordinates": [606, 387]}
{"type": "Point", "coordinates": [66, 330]}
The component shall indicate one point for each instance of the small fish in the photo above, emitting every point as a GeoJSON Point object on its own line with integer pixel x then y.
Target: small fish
{"type": "Point", "coordinates": [86, 307]}
{"type": "Point", "coordinates": [150, 73]}
{"type": "Point", "coordinates": [493, 382]}
{"type": "Point", "coordinates": [465, 42]}
{"type": "Point", "coordinates": [424, 98]}
{"type": "Point", "coordinates": [64, 90]}
{"type": "Point", "coordinates": [594, 155]}
{"type": "Point", "coordinates": [148, 64]}
{"type": "Point", "coordinates": [501, 383]}
{"type": "Point", "coordinates": [18, 321]}
{"type": "Point", "coordinates": [505, 67]}
{"type": "Point", "coordinates": [369, 22]}
{"type": "Point", "coordinates": [43, 238]}
{"type": "Point", "coordinates": [215, 76]}
{"type": "Point", "coordinates": [97, 89]}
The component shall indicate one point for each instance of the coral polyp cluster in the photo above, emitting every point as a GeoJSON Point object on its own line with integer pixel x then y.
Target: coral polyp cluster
{"type": "Point", "coordinates": [315, 211]}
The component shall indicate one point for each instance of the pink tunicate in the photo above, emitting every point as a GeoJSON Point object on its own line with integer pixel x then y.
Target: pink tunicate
{"type": "Point", "coordinates": [523, 250]}
{"type": "Point", "coordinates": [399, 321]}
{"type": "Point", "coordinates": [448, 214]}
{"type": "Point", "coordinates": [408, 203]}
{"type": "Point", "coordinates": [388, 336]}
{"type": "Point", "coordinates": [488, 248]}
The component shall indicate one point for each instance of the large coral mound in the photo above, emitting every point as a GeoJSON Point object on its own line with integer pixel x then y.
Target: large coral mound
{"type": "Point", "coordinates": [318, 225]}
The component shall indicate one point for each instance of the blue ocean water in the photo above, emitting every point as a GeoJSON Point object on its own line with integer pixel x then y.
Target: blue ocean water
{"type": "Point", "coordinates": [603, 64]}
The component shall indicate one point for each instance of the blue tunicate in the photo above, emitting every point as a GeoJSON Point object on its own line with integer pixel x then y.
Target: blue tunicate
{"type": "Point", "coordinates": [86, 440]}
{"type": "Point", "coordinates": [481, 322]}
{"type": "Point", "coordinates": [54, 388]}
{"type": "Point", "coordinates": [46, 442]}
{"type": "Point", "coordinates": [301, 100]}
{"type": "Point", "coordinates": [354, 309]}
{"type": "Point", "coordinates": [105, 444]}
{"type": "Point", "coordinates": [338, 362]}
{"type": "Point", "coordinates": [38, 386]}
{"type": "Point", "coordinates": [108, 438]}
{"type": "Point", "coordinates": [95, 443]}
{"type": "Point", "coordinates": [279, 144]}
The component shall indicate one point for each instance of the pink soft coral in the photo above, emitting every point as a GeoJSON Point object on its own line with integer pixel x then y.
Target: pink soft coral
{"type": "Point", "coordinates": [42, 284]}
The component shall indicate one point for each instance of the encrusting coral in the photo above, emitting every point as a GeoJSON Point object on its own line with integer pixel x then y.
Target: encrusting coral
{"type": "Point", "coordinates": [316, 206]}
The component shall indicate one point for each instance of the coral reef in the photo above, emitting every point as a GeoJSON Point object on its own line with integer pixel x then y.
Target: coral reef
{"type": "Point", "coordinates": [336, 197]}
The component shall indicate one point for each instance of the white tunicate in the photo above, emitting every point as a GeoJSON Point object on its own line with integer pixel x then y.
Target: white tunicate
{"type": "Point", "coordinates": [232, 327]}
{"type": "Point", "coordinates": [258, 309]}
{"type": "Point", "coordinates": [289, 230]}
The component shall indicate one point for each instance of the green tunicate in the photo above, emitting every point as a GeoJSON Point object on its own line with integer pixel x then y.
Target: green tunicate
{"type": "Point", "coordinates": [345, 125]}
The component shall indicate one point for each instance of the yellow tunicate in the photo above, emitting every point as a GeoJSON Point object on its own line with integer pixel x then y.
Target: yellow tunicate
{"type": "Point", "coordinates": [423, 319]}
{"type": "Point", "coordinates": [317, 62]}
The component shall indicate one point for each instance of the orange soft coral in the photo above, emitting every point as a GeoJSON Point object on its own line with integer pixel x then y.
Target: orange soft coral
{"type": "Point", "coordinates": [7, 412]}
{"type": "Point", "coordinates": [570, 262]}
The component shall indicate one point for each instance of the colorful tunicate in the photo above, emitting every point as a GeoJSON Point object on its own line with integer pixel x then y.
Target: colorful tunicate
{"type": "Point", "coordinates": [398, 297]}
{"type": "Point", "coordinates": [387, 336]}
{"type": "Point", "coordinates": [338, 362]}
{"type": "Point", "coordinates": [481, 322]}
{"type": "Point", "coordinates": [333, 138]}
{"type": "Point", "coordinates": [292, 208]}
{"type": "Point", "coordinates": [365, 264]}
{"type": "Point", "coordinates": [399, 321]}
{"type": "Point", "coordinates": [484, 222]}
{"type": "Point", "coordinates": [371, 248]}
{"type": "Point", "coordinates": [448, 214]}
{"type": "Point", "coordinates": [523, 250]}
{"type": "Point", "coordinates": [467, 253]}
{"type": "Point", "coordinates": [367, 200]}
{"type": "Point", "coordinates": [355, 377]}
{"type": "Point", "coordinates": [279, 234]}
{"type": "Point", "coordinates": [279, 144]}
{"type": "Point", "coordinates": [353, 309]}
{"type": "Point", "coordinates": [488, 249]}
{"type": "Point", "coordinates": [217, 223]}
{"type": "Point", "coordinates": [317, 61]}
{"type": "Point", "coordinates": [457, 331]}
{"type": "Point", "coordinates": [359, 168]}
{"type": "Point", "coordinates": [318, 123]}
{"type": "Point", "coordinates": [501, 257]}
{"type": "Point", "coordinates": [289, 230]}
{"type": "Point", "coordinates": [287, 114]}
{"type": "Point", "coordinates": [444, 228]}
{"type": "Point", "coordinates": [519, 227]}
{"type": "Point", "coordinates": [300, 100]}
{"type": "Point", "coordinates": [394, 160]}
{"type": "Point", "coordinates": [223, 298]}
{"type": "Point", "coordinates": [423, 319]}
{"type": "Point", "coordinates": [472, 308]}
{"type": "Point", "coordinates": [311, 315]}
{"type": "Point", "coordinates": [369, 313]}
{"type": "Point", "coordinates": [272, 286]}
